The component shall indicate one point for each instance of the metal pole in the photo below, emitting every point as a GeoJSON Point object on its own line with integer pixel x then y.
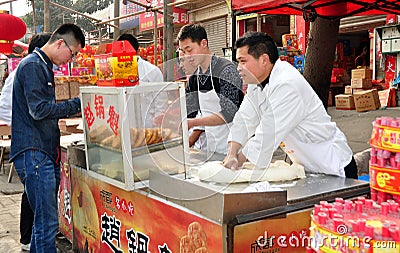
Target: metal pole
{"type": "Point", "coordinates": [46, 15]}
{"type": "Point", "coordinates": [116, 22]}
{"type": "Point", "coordinates": [34, 17]}
{"type": "Point", "coordinates": [169, 49]}
{"type": "Point", "coordinates": [99, 35]}
{"type": "Point", "coordinates": [155, 37]}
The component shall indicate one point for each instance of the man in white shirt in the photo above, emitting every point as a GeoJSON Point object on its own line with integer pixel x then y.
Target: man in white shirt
{"type": "Point", "coordinates": [148, 73]}
{"type": "Point", "coordinates": [281, 109]}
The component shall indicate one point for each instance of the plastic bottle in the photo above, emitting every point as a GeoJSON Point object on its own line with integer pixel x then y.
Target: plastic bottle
{"type": "Point", "coordinates": [322, 218]}
{"type": "Point", "coordinates": [393, 162]}
{"type": "Point", "coordinates": [374, 194]}
{"type": "Point", "coordinates": [385, 159]}
{"type": "Point", "coordinates": [397, 159]}
{"type": "Point", "coordinates": [384, 208]}
{"type": "Point", "coordinates": [374, 159]}
{"type": "Point", "coordinates": [339, 200]}
{"type": "Point", "coordinates": [359, 207]}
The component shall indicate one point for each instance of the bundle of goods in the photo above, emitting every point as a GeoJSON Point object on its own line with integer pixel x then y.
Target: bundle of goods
{"type": "Point", "coordinates": [361, 225]}
{"type": "Point", "coordinates": [84, 64]}
{"type": "Point", "coordinates": [385, 160]}
{"type": "Point", "coordinates": [150, 54]}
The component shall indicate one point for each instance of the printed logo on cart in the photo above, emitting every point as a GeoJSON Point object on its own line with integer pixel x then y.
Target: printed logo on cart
{"type": "Point", "coordinates": [119, 204]}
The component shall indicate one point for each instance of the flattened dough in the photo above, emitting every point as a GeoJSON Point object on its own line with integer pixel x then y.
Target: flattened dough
{"type": "Point", "coordinates": [277, 171]}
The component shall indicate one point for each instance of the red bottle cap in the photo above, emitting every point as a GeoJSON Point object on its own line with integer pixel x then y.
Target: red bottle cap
{"type": "Point", "coordinates": [394, 207]}
{"type": "Point", "coordinates": [338, 206]}
{"type": "Point", "coordinates": [339, 200]}
{"type": "Point", "coordinates": [337, 224]}
{"type": "Point", "coordinates": [369, 203]}
{"type": "Point", "coordinates": [323, 203]}
{"type": "Point", "coordinates": [362, 199]}
{"type": "Point", "coordinates": [354, 226]}
{"type": "Point", "coordinates": [392, 162]}
{"type": "Point", "coordinates": [348, 205]}
{"type": "Point", "coordinates": [359, 206]}
{"type": "Point", "coordinates": [324, 210]}
{"type": "Point", "coordinates": [338, 215]}
{"type": "Point", "coordinates": [395, 233]}
{"type": "Point", "coordinates": [317, 208]}
{"type": "Point", "coordinates": [384, 208]}
{"type": "Point", "coordinates": [332, 211]}
{"type": "Point", "coordinates": [378, 121]}
{"type": "Point", "coordinates": [361, 224]}
{"type": "Point", "coordinates": [385, 230]}
{"type": "Point", "coordinates": [322, 218]}
{"type": "Point", "coordinates": [369, 231]}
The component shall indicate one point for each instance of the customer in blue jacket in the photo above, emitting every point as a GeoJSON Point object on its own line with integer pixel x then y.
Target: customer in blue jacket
{"type": "Point", "coordinates": [35, 142]}
{"type": "Point", "coordinates": [26, 217]}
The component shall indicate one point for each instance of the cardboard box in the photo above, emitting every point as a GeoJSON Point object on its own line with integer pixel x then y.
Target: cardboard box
{"type": "Point", "coordinates": [361, 83]}
{"type": "Point", "coordinates": [367, 100]}
{"type": "Point", "coordinates": [384, 97]}
{"type": "Point", "coordinates": [116, 64]}
{"type": "Point", "coordinates": [348, 90]}
{"type": "Point", "coordinates": [357, 90]}
{"type": "Point", "coordinates": [361, 73]}
{"type": "Point", "coordinates": [344, 102]}
{"type": "Point", "coordinates": [62, 91]}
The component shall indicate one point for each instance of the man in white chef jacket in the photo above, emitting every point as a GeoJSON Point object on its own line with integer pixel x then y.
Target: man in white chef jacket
{"type": "Point", "coordinates": [281, 109]}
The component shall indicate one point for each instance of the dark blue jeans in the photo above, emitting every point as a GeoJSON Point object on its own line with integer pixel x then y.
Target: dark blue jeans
{"type": "Point", "coordinates": [41, 178]}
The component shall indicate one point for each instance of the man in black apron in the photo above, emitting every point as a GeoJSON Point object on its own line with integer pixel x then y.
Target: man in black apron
{"type": "Point", "coordinates": [214, 92]}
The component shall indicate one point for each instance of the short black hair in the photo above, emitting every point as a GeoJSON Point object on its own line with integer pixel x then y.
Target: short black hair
{"type": "Point", "coordinates": [196, 32]}
{"type": "Point", "coordinates": [38, 40]}
{"type": "Point", "coordinates": [132, 39]}
{"type": "Point", "coordinates": [71, 31]}
{"type": "Point", "coordinates": [259, 43]}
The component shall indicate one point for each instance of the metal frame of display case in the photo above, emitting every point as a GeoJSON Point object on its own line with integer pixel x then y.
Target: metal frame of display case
{"type": "Point", "coordinates": [145, 156]}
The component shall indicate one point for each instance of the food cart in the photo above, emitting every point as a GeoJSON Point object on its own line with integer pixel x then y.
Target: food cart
{"type": "Point", "coordinates": [134, 185]}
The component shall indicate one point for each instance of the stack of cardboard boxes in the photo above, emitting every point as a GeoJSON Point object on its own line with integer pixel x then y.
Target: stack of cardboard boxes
{"type": "Point", "coordinates": [359, 95]}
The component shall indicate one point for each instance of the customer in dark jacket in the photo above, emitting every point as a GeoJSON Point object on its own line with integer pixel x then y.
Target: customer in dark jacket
{"type": "Point", "coordinates": [35, 148]}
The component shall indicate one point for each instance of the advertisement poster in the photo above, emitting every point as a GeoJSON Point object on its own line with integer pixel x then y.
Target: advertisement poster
{"type": "Point", "coordinates": [64, 197]}
{"type": "Point", "coordinates": [288, 234]}
{"type": "Point", "coordinates": [109, 219]}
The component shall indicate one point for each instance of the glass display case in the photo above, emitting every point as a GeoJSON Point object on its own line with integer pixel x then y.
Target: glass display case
{"type": "Point", "coordinates": [131, 130]}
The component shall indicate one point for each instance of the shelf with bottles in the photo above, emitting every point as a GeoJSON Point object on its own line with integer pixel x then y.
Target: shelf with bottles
{"type": "Point", "coordinates": [359, 225]}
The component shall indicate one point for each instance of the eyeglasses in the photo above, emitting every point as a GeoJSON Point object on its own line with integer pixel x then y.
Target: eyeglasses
{"type": "Point", "coordinates": [73, 55]}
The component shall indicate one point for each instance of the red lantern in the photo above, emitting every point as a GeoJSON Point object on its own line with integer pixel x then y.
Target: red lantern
{"type": "Point", "coordinates": [11, 28]}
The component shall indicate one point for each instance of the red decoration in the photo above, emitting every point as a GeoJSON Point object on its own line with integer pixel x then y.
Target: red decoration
{"type": "Point", "coordinates": [11, 28]}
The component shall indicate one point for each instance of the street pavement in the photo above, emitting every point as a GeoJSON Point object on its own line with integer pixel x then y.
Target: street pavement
{"type": "Point", "coordinates": [356, 126]}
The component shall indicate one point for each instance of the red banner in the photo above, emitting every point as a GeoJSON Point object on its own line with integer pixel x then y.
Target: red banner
{"type": "Point", "coordinates": [146, 20]}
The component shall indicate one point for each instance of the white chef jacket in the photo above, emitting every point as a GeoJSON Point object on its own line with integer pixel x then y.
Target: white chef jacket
{"type": "Point", "coordinates": [288, 110]}
{"type": "Point", "coordinates": [6, 99]}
